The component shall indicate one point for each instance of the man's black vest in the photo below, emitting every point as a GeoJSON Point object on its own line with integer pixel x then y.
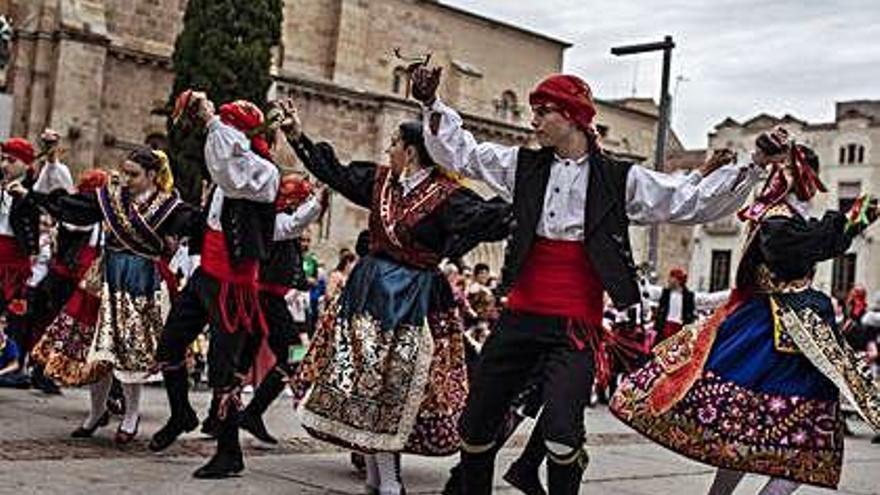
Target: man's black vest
{"type": "Point", "coordinates": [24, 221]}
{"type": "Point", "coordinates": [248, 227]}
{"type": "Point", "coordinates": [606, 233]}
{"type": "Point", "coordinates": [284, 266]}
{"type": "Point", "coordinates": [688, 309]}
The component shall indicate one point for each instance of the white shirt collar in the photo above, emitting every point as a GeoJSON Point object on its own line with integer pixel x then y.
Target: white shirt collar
{"type": "Point", "coordinates": [577, 161]}
{"type": "Point", "coordinates": [412, 180]}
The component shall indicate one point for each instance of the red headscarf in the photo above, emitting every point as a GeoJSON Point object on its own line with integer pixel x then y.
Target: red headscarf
{"type": "Point", "coordinates": [92, 179]}
{"type": "Point", "coordinates": [572, 97]}
{"type": "Point", "coordinates": [680, 274]}
{"type": "Point", "coordinates": [247, 118]}
{"type": "Point", "coordinates": [292, 192]}
{"type": "Point", "coordinates": [20, 149]}
{"type": "Point", "coordinates": [181, 105]}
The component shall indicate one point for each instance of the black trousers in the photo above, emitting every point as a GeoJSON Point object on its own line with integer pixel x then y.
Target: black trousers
{"type": "Point", "coordinates": [508, 360]}
{"type": "Point", "coordinates": [282, 334]}
{"type": "Point", "coordinates": [195, 307]}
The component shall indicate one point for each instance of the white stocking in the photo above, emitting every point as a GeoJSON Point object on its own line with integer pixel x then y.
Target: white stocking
{"type": "Point", "coordinates": [98, 393]}
{"type": "Point", "coordinates": [389, 473]}
{"type": "Point", "coordinates": [132, 393]}
{"type": "Point", "coordinates": [778, 486]}
{"type": "Point", "coordinates": [372, 472]}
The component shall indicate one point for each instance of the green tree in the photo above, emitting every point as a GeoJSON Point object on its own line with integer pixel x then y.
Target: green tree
{"type": "Point", "coordinates": [224, 49]}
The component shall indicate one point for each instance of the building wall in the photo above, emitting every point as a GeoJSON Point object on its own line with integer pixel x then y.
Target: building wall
{"type": "Point", "coordinates": [98, 70]}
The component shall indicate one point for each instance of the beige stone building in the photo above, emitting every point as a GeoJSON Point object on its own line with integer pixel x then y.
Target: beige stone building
{"type": "Point", "coordinates": [849, 166]}
{"type": "Point", "coordinates": [99, 72]}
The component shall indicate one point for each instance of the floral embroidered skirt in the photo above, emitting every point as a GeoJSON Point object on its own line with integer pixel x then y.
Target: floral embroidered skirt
{"type": "Point", "coordinates": [130, 317]}
{"type": "Point", "coordinates": [386, 368]}
{"type": "Point", "coordinates": [736, 393]}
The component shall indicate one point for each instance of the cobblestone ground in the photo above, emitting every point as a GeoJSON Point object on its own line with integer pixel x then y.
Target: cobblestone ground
{"type": "Point", "coordinates": [37, 456]}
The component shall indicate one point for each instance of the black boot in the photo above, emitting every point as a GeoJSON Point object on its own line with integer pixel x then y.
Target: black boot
{"type": "Point", "coordinates": [252, 417]}
{"type": "Point", "coordinates": [211, 425]}
{"type": "Point", "coordinates": [477, 471]}
{"type": "Point", "coordinates": [564, 475]}
{"type": "Point", "coordinates": [453, 484]}
{"type": "Point", "coordinates": [183, 419]}
{"type": "Point", "coordinates": [523, 473]}
{"type": "Point", "coordinates": [227, 461]}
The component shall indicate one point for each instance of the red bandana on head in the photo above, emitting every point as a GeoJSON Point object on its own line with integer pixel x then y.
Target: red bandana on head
{"type": "Point", "coordinates": [679, 274]}
{"type": "Point", "coordinates": [571, 95]}
{"type": "Point", "coordinates": [19, 148]}
{"type": "Point", "coordinates": [292, 192]}
{"type": "Point", "coordinates": [92, 179]}
{"type": "Point", "coordinates": [247, 118]}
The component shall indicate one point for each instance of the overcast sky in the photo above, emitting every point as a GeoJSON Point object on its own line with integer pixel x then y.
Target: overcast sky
{"type": "Point", "coordinates": [737, 57]}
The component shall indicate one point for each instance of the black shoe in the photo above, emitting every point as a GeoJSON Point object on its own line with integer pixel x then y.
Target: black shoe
{"type": "Point", "coordinates": [211, 426]}
{"type": "Point", "coordinates": [166, 435]}
{"type": "Point", "coordinates": [224, 464]}
{"type": "Point", "coordinates": [267, 391]}
{"type": "Point", "coordinates": [876, 439]}
{"type": "Point", "coordinates": [254, 425]}
{"type": "Point", "coordinates": [524, 480]}
{"type": "Point", "coordinates": [83, 432]}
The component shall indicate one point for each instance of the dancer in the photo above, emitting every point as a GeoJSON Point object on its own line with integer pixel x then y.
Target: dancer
{"type": "Point", "coordinates": [387, 366]}
{"type": "Point", "coordinates": [19, 235]}
{"type": "Point", "coordinates": [224, 290]}
{"type": "Point", "coordinates": [139, 215]}
{"type": "Point", "coordinates": [70, 299]}
{"type": "Point", "coordinates": [755, 388]}
{"type": "Point", "coordinates": [573, 204]}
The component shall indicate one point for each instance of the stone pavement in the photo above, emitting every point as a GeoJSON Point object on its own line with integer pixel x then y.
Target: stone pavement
{"type": "Point", "coordinates": [38, 457]}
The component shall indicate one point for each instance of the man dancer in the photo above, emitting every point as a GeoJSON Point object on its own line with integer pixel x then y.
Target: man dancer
{"type": "Point", "coordinates": [224, 290]}
{"type": "Point", "coordinates": [677, 305]}
{"type": "Point", "coordinates": [19, 235]}
{"type": "Point", "coordinates": [195, 309]}
{"type": "Point", "coordinates": [573, 204]}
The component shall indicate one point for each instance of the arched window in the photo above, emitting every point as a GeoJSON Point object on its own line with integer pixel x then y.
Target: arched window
{"type": "Point", "coordinates": [507, 106]}
{"type": "Point", "coordinates": [851, 153]}
{"type": "Point", "coordinates": [398, 81]}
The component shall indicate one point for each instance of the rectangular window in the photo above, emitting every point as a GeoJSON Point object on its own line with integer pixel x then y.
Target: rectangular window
{"type": "Point", "coordinates": [847, 192]}
{"type": "Point", "coordinates": [719, 278]}
{"type": "Point", "coordinates": [851, 153]}
{"type": "Point", "coordinates": [843, 275]}
{"type": "Point", "coordinates": [861, 154]}
{"type": "Point", "coordinates": [842, 158]}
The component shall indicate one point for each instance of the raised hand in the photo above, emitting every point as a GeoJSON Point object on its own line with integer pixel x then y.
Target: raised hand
{"type": "Point", "coordinates": [718, 159]}
{"type": "Point", "coordinates": [291, 123]}
{"type": "Point", "coordinates": [425, 82]}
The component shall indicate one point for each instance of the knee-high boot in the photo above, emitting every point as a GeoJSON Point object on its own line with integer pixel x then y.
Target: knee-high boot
{"type": "Point", "coordinates": [183, 419]}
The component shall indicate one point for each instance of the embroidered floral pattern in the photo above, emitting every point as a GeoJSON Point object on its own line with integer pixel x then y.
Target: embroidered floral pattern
{"type": "Point", "coordinates": [723, 424]}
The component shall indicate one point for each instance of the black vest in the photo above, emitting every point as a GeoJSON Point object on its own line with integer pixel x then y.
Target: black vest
{"type": "Point", "coordinates": [248, 227]}
{"type": "Point", "coordinates": [688, 309]}
{"type": "Point", "coordinates": [606, 233]}
{"type": "Point", "coordinates": [24, 221]}
{"type": "Point", "coordinates": [284, 266]}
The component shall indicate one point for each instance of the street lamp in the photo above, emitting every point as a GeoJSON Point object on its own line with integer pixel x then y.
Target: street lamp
{"type": "Point", "coordinates": [663, 125]}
